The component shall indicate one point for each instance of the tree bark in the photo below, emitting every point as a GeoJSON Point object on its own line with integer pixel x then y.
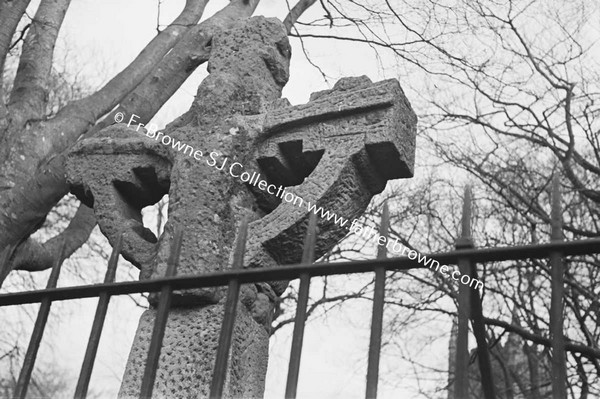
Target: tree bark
{"type": "Point", "coordinates": [11, 13]}
{"type": "Point", "coordinates": [296, 12]}
{"type": "Point", "coordinates": [29, 95]}
{"type": "Point", "coordinates": [34, 256]}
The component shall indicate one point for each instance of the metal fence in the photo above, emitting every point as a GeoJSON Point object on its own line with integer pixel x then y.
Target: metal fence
{"type": "Point", "coordinates": [470, 309]}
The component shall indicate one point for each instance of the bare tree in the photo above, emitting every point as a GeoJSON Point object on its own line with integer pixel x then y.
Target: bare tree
{"type": "Point", "coordinates": [509, 99]}
{"type": "Point", "coordinates": [507, 94]}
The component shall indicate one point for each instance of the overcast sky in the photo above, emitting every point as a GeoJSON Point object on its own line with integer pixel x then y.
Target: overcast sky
{"type": "Point", "coordinates": [97, 40]}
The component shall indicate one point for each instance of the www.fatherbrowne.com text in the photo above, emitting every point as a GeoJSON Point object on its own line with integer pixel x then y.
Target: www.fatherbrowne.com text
{"type": "Point", "coordinates": [236, 170]}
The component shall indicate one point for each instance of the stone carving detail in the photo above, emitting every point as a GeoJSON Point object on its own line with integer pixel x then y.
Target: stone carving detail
{"type": "Point", "coordinates": [347, 142]}
{"type": "Point", "coordinates": [118, 174]}
{"type": "Point", "coordinates": [336, 151]}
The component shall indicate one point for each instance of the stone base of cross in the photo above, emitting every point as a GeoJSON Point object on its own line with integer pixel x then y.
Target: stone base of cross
{"type": "Point", "coordinates": [336, 151]}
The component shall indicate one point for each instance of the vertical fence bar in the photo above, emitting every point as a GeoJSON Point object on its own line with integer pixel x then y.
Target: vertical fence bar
{"type": "Point", "coordinates": [461, 368]}
{"type": "Point", "coordinates": [160, 322]}
{"type": "Point", "coordinates": [92, 347]}
{"type": "Point", "coordinates": [230, 309]}
{"type": "Point", "coordinates": [38, 331]}
{"type": "Point", "coordinates": [476, 310]}
{"type": "Point", "coordinates": [559, 372]}
{"type": "Point", "coordinates": [377, 314]}
{"type": "Point", "coordinates": [483, 353]}
{"type": "Point", "coordinates": [308, 256]}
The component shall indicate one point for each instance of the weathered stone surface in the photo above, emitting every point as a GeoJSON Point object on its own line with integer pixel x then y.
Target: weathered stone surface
{"type": "Point", "coordinates": [337, 151]}
{"type": "Point", "coordinates": [118, 174]}
{"type": "Point", "coordinates": [356, 136]}
{"type": "Point", "coordinates": [188, 355]}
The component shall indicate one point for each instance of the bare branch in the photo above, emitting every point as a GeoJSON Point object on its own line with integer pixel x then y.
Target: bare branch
{"type": "Point", "coordinates": [34, 256]}
{"type": "Point", "coordinates": [29, 202]}
{"type": "Point", "coordinates": [29, 89]}
{"type": "Point", "coordinates": [89, 109]}
{"type": "Point", "coordinates": [21, 36]}
{"type": "Point", "coordinates": [10, 15]}
{"type": "Point", "coordinates": [319, 303]}
{"type": "Point", "coordinates": [296, 12]}
{"type": "Point", "coordinates": [589, 352]}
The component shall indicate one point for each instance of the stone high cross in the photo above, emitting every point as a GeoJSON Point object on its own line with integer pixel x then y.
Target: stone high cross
{"type": "Point", "coordinates": [337, 151]}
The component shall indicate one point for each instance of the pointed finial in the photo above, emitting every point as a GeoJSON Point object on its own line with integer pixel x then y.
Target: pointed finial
{"type": "Point", "coordinates": [556, 213]}
{"type": "Point", "coordinates": [384, 227]}
{"type": "Point", "coordinates": [465, 240]}
{"type": "Point", "coordinates": [466, 213]}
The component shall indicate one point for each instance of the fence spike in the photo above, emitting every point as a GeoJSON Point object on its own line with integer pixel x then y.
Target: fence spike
{"type": "Point", "coordinates": [467, 211]}
{"type": "Point", "coordinates": [461, 372]}
{"type": "Point", "coordinates": [384, 228]}
{"type": "Point", "coordinates": [470, 307]}
{"type": "Point", "coordinates": [559, 372]}
{"type": "Point", "coordinates": [38, 328]}
{"type": "Point", "coordinates": [377, 312]}
{"type": "Point", "coordinates": [97, 325]}
{"type": "Point", "coordinates": [308, 256]}
{"type": "Point", "coordinates": [556, 212]}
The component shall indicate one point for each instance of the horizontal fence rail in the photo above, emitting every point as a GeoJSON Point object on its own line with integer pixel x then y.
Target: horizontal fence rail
{"type": "Point", "coordinates": [291, 272]}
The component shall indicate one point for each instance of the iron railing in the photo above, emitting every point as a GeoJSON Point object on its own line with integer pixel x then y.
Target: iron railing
{"type": "Point", "coordinates": [465, 256]}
